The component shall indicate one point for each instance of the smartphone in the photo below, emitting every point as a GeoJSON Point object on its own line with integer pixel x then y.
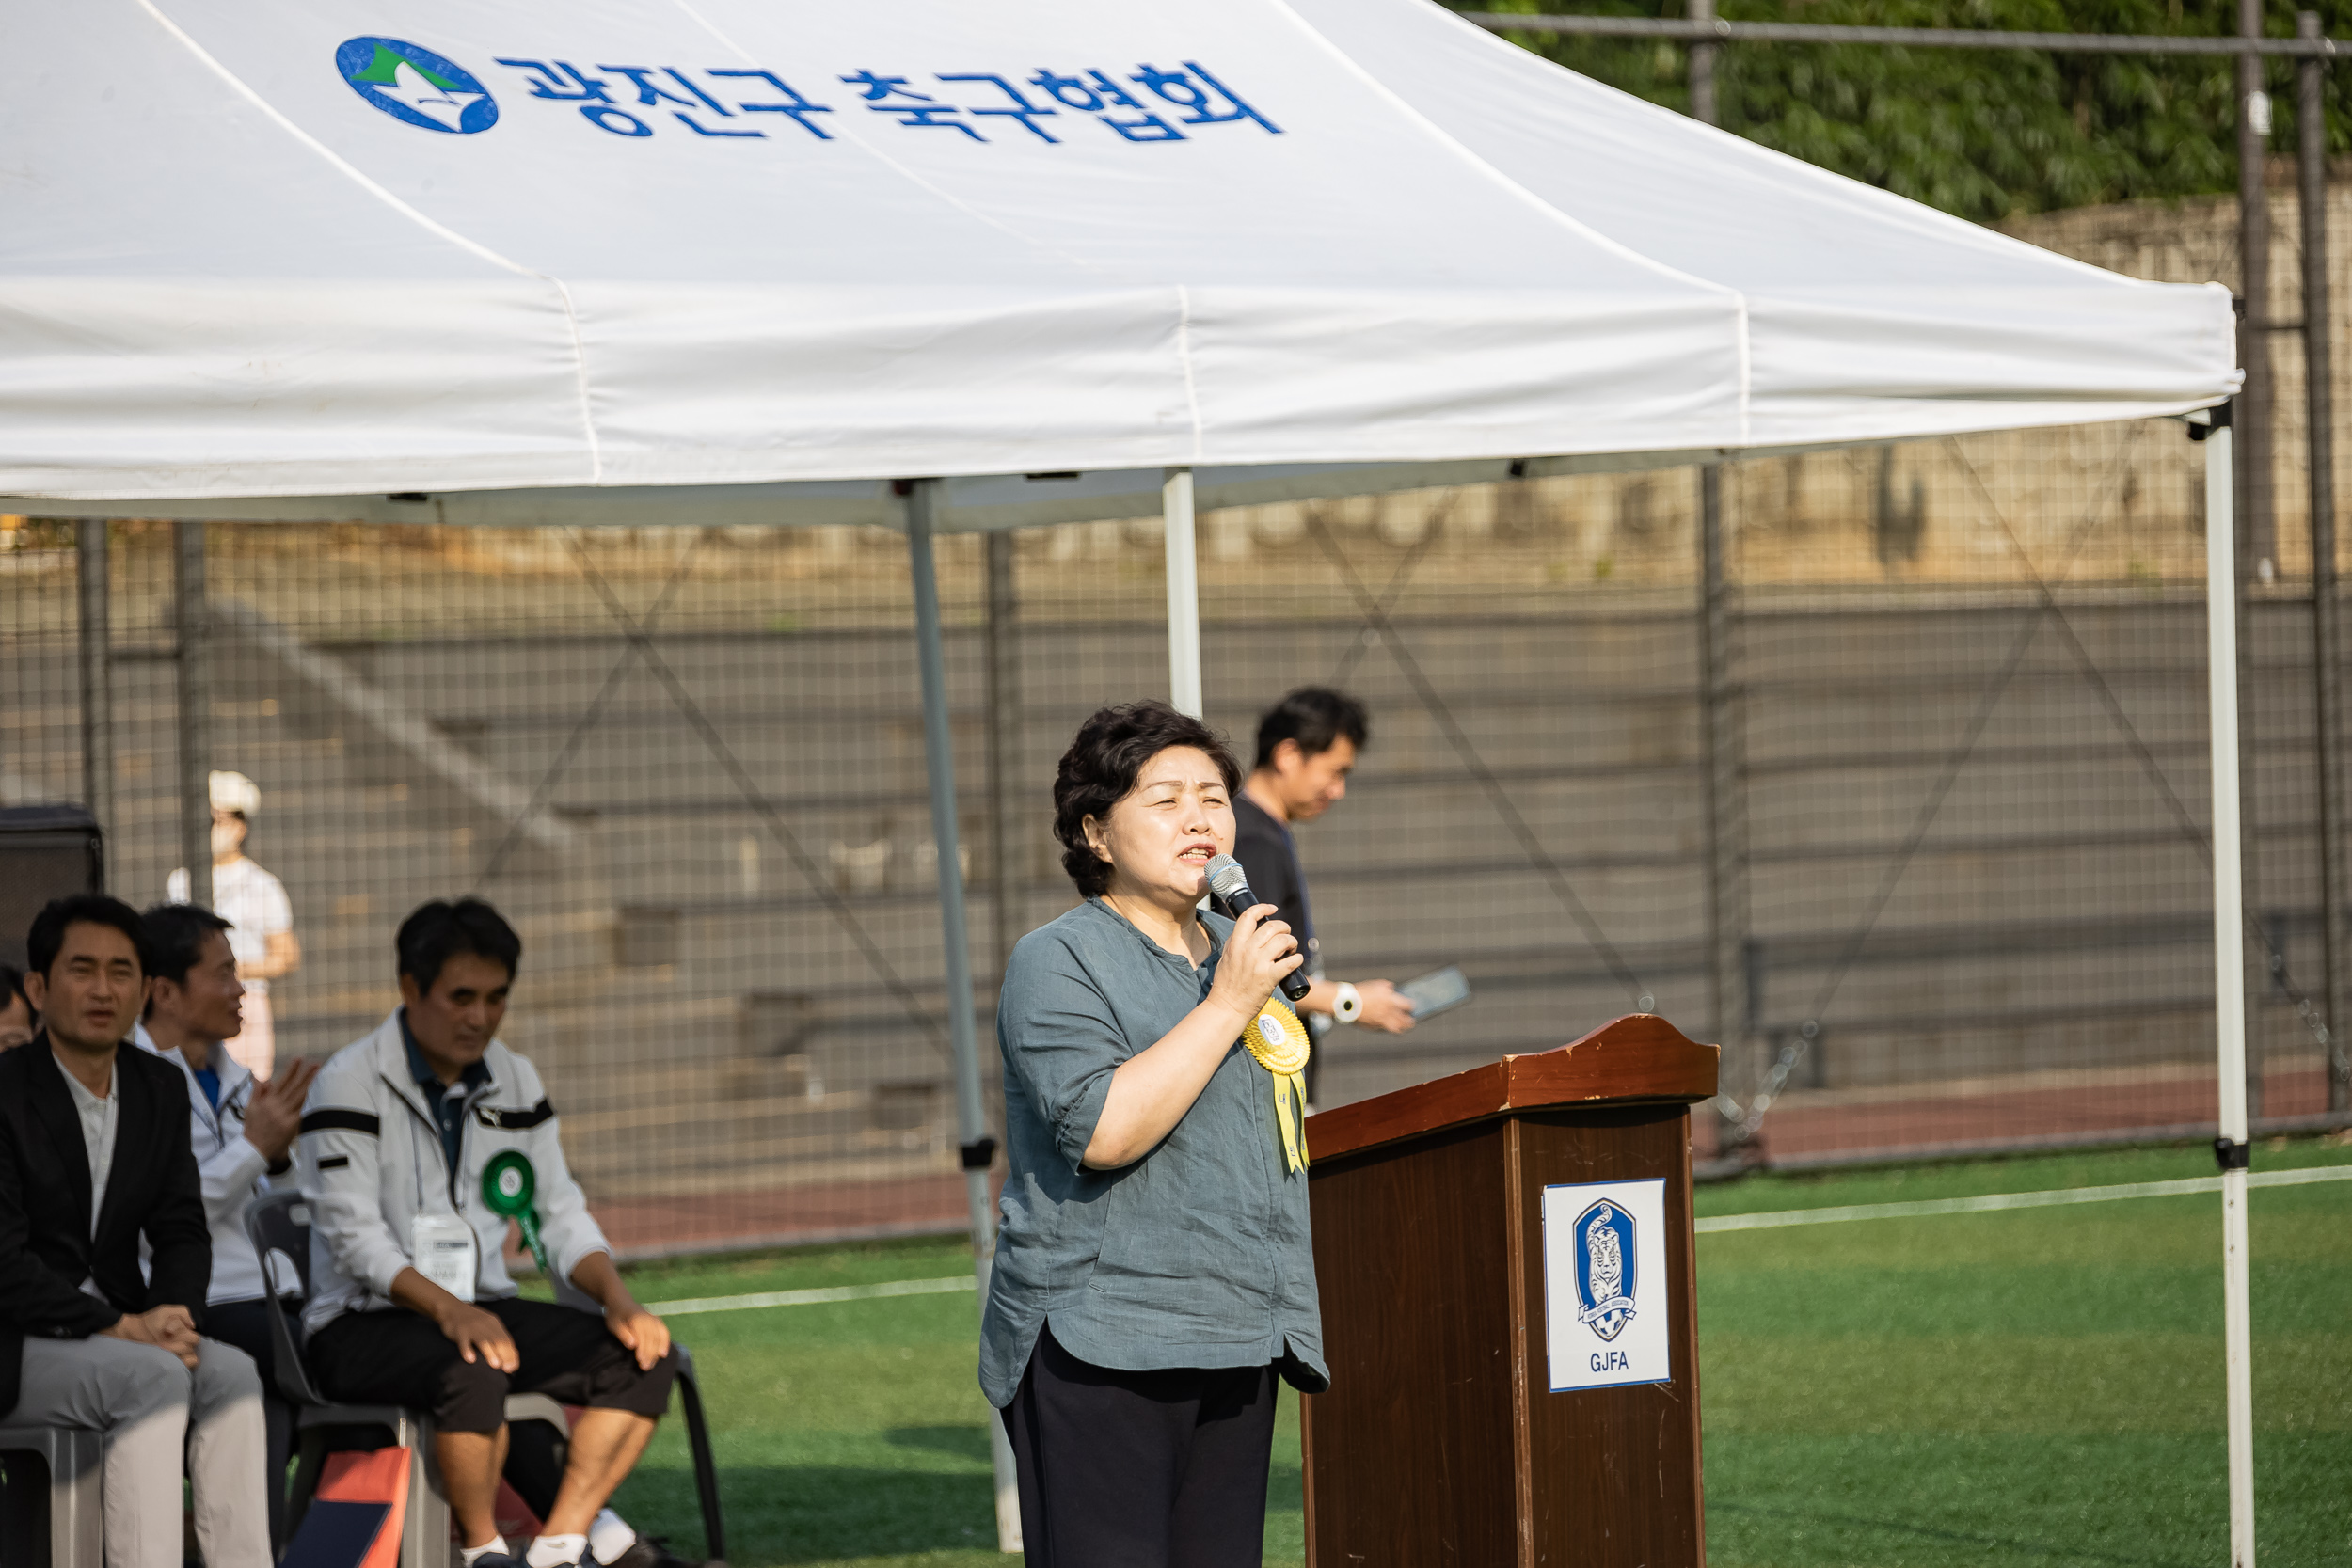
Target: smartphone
{"type": "Point", "coordinates": [1439, 991]}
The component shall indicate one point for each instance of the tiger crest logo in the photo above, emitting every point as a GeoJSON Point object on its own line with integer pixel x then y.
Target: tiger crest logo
{"type": "Point", "coordinates": [1604, 1269]}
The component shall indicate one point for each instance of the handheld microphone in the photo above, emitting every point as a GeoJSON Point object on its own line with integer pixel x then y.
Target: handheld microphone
{"type": "Point", "coordinates": [1230, 884]}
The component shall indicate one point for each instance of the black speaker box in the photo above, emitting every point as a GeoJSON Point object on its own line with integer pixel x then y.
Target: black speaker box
{"type": "Point", "coordinates": [45, 852]}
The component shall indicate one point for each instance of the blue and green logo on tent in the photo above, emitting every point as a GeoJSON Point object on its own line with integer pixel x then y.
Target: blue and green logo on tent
{"type": "Point", "coordinates": [414, 84]}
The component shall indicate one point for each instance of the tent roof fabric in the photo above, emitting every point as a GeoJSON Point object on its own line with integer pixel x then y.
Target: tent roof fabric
{"type": "Point", "coordinates": [263, 248]}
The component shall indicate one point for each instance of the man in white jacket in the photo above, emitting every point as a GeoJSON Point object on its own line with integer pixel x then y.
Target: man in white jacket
{"type": "Point", "coordinates": [410, 1301]}
{"type": "Point", "coordinates": [241, 1130]}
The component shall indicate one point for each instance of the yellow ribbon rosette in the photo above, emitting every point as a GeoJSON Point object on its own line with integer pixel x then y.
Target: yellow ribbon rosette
{"type": "Point", "coordinates": [1278, 1042]}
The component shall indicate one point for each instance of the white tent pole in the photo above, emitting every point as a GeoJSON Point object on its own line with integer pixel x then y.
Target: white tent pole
{"type": "Point", "coordinates": [1184, 594]}
{"type": "Point", "coordinates": [977, 1149]}
{"type": "Point", "coordinates": [2229, 972]}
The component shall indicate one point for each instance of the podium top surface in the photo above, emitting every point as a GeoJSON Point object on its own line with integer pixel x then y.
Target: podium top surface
{"type": "Point", "coordinates": [1632, 1060]}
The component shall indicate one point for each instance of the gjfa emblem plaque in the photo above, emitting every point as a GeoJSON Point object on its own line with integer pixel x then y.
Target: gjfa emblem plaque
{"type": "Point", "coordinates": [1605, 1284]}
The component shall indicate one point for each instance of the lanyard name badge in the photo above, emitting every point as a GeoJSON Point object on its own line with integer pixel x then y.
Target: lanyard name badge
{"type": "Point", "coordinates": [446, 1253]}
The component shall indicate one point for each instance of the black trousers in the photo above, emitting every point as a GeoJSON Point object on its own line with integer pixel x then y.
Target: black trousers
{"type": "Point", "coordinates": [1121, 1469]}
{"type": "Point", "coordinates": [398, 1357]}
{"type": "Point", "coordinates": [245, 1326]}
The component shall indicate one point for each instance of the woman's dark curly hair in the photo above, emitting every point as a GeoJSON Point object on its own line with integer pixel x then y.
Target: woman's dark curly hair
{"type": "Point", "coordinates": [1100, 769]}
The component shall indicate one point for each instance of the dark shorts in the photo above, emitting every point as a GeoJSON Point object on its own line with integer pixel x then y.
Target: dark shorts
{"type": "Point", "coordinates": [1164, 1469]}
{"type": "Point", "coordinates": [397, 1357]}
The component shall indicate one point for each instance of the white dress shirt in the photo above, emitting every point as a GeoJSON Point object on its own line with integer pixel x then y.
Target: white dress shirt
{"type": "Point", "coordinates": [97, 1139]}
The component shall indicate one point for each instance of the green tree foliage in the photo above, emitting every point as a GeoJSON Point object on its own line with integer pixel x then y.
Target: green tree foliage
{"type": "Point", "coordinates": [1984, 134]}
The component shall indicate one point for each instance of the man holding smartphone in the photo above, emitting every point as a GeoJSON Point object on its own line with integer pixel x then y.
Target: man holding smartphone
{"type": "Point", "coordinates": [1307, 744]}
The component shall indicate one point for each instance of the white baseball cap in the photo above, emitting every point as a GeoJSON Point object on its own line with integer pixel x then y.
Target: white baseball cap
{"type": "Point", "coordinates": [237, 793]}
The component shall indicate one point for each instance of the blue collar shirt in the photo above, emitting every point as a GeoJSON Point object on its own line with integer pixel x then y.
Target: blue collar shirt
{"type": "Point", "coordinates": [448, 1102]}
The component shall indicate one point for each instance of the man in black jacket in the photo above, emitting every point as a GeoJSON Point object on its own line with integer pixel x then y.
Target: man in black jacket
{"type": "Point", "coordinates": [1307, 744]}
{"type": "Point", "coordinates": [94, 1154]}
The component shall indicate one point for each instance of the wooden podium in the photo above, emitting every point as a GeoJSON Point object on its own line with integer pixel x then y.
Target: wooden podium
{"type": "Point", "coordinates": [1458, 1291]}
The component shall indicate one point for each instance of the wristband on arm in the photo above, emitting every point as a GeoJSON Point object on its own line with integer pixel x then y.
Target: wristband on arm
{"type": "Point", "coordinates": [1349, 1006]}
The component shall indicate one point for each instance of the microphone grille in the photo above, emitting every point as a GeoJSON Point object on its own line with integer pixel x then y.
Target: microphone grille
{"type": "Point", "coordinates": [1226, 877]}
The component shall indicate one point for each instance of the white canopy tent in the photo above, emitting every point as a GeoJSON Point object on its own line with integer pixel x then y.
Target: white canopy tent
{"type": "Point", "coordinates": [272, 250]}
{"type": "Point", "coordinates": [519, 262]}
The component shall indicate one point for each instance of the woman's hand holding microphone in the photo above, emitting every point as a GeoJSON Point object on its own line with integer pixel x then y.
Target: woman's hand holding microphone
{"type": "Point", "coordinates": [1258, 954]}
{"type": "Point", "coordinates": [1150, 1091]}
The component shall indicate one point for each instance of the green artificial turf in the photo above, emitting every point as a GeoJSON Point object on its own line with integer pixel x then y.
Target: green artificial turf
{"type": "Point", "coordinates": [2035, 1387]}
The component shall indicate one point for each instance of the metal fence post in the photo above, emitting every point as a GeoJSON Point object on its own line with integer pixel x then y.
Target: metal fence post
{"type": "Point", "coordinates": [95, 592]}
{"type": "Point", "coordinates": [1702, 67]}
{"type": "Point", "coordinates": [2310, 122]}
{"type": "Point", "coordinates": [1721, 786]}
{"type": "Point", "coordinates": [939, 758]}
{"type": "Point", "coordinates": [2251, 423]}
{"type": "Point", "coordinates": [2249, 439]}
{"type": "Point", "coordinates": [1004, 741]}
{"type": "Point", "coordinates": [194, 688]}
{"type": "Point", "coordinates": [1727, 945]}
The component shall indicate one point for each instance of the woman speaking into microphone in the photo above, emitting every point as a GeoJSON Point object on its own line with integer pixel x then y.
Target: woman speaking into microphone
{"type": "Point", "coordinates": [1153, 1274]}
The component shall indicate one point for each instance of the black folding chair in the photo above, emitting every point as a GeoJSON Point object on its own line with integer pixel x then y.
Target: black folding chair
{"type": "Point", "coordinates": [280, 1222]}
{"type": "Point", "coordinates": [690, 1399]}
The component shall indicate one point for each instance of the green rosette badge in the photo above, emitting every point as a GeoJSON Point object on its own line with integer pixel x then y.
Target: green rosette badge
{"type": "Point", "coordinates": [508, 1186]}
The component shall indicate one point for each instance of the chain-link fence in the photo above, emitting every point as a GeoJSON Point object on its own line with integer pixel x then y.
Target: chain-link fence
{"type": "Point", "coordinates": [1964, 686]}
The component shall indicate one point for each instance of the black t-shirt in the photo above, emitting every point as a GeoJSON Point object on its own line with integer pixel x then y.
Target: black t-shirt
{"type": "Point", "coordinates": [1267, 853]}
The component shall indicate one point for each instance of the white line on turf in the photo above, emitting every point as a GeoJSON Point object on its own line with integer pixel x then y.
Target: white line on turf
{"type": "Point", "coordinates": [811, 1298]}
{"type": "Point", "coordinates": [1992, 1201]}
{"type": "Point", "coordinates": [1987, 1204]}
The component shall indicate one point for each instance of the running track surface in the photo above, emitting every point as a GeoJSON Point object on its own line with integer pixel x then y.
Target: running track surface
{"type": "Point", "coordinates": [1902, 1122]}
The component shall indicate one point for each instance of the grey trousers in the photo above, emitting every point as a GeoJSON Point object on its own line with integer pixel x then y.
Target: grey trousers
{"type": "Point", "coordinates": [150, 1410]}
